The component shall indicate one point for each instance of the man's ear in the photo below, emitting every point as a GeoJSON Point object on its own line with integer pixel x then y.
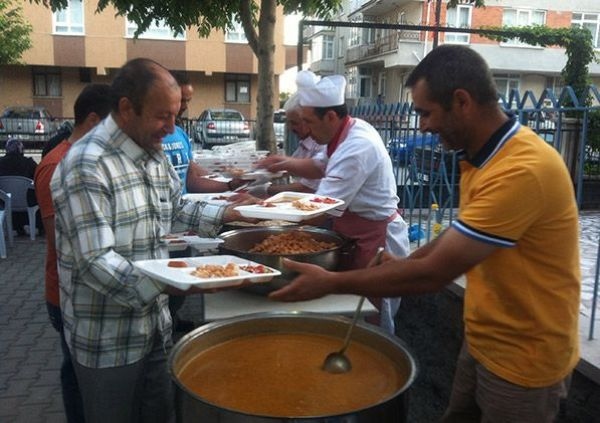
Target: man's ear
{"type": "Point", "coordinates": [92, 119]}
{"type": "Point", "coordinates": [126, 109]}
{"type": "Point", "coordinates": [330, 116]}
{"type": "Point", "coordinates": [462, 99]}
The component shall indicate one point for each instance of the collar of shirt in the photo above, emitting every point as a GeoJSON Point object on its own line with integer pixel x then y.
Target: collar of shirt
{"type": "Point", "coordinates": [494, 144]}
{"type": "Point", "coordinates": [337, 138]}
{"type": "Point", "coordinates": [129, 147]}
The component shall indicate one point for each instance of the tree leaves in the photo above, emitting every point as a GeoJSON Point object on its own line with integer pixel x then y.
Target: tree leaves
{"type": "Point", "coordinates": [14, 33]}
{"type": "Point", "coordinates": [577, 41]}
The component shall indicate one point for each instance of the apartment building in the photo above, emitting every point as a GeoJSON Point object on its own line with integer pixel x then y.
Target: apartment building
{"type": "Point", "coordinates": [376, 61]}
{"type": "Point", "coordinates": [77, 46]}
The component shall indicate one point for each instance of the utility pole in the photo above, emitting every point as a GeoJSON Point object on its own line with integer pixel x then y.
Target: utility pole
{"type": "Point", "coordinates": [436, 33]}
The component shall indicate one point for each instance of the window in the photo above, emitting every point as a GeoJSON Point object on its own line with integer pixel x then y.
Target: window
{"type": "Point", "coordinates": [341, 46]}
{"type": "Point", "coordinates": [322, 47]}
{"type": "Point", "coordinates": [236, 34]}
{"type": "Point", "coordinates": [522, 17]}
{"type": "Point", "coordinates": [506, 82]}
{"type": "Point", "coordinates": [365, 83]}
{"type": "Point", "coordinates": [354, 36]}
{"type": "Point", "coordinates": [590, 21]}
{"type": "Point", "coordinates": [237, 88]}
{"type": "Point", "coordinates": [352, 84]}
{"type": "Point", "coordinates": [158, 30]}
{"type": "Point", "coordinates": [458, 17]}
{"type": "Point", "coordinates": [327, 47]}
{"type": "Point", "coordinates": [382, 84]}
{"type": "Point", "coordinates": [368, 35]}
{"type": "Point", "coordinates": [46, 82]}
{"type": "Point", "coordinates": [69, 21]}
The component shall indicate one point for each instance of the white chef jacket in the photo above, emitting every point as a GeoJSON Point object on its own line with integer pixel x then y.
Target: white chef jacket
{"type": "Point", "coordinates": [360, 172]}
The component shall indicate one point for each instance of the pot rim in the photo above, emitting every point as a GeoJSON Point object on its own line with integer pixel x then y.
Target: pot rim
{"type": "Point", "coordinates": [211, 326]}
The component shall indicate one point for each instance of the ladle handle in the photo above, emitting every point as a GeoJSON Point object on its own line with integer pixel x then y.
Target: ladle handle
{"type": "Point", "coordinates": [359, 306]}
{"type": "Point", "coordinates": [354, 320]}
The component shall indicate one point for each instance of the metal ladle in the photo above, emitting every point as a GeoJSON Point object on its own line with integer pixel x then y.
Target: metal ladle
{"type": "Point", "coordinates": [338, 362]}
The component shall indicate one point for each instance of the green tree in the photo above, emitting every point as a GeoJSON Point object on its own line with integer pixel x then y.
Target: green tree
{"type": "Point", "coordinates": [578, 44]}
{"type": "Point", "coordinates": [257, 17]}
{"type": "Point", "coordinates": [14, 33]}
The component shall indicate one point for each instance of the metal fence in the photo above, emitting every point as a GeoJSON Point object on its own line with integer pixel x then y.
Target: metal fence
{"type": "Point", "coordinates": [428, 176]}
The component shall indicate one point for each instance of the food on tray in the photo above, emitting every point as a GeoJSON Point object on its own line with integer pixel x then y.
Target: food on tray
{"type": "Point", "coordinates": [234, 172]}
{"type": "Point", "coordinates": [283, 199]}
{"type": "Point", "coordinates": [216, 271]}
{"type": "Point", "coordinates": [294, 242]}
{"type": "Point", "coordinates": [177, 263]}
{"type": "Point", "coordinates": [259, 268]}
{"type": "Point", "coordinates": [176, 241]}
{"type": "Point", "coordinates": [301, 205]}
{"type": "Point", "coordinates": [266, 204]}
{"type": "Point", "coordinates": [324, 200]}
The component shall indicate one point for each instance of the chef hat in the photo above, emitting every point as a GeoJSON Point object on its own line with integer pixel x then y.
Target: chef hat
{"type": "Point", "coordinates": [327, 92]}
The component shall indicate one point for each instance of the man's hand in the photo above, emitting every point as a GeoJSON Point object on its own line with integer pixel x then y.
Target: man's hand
{"type": "Point", "coordinates": [242, 199]}
{"type": "Point", "coordinates": [312, 282]}
{"type": "Point", "coordinates": [273, 163]}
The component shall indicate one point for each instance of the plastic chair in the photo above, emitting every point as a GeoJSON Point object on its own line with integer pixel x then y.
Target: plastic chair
{"type": "Point", "coordinates": [5, 222]}
{"type": "Point", "coordinates": [18, 186]}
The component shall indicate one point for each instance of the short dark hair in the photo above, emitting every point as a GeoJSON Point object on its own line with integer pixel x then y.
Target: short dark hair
{"type": "Point", "coordinates": [94, 98]}
{"type": "Point", "coordinates": [450, 67]}
{"type": "Point", "coordinates": [181, 77]}
{"type": "Point", "coordinates": [133, 81]}
{"type": "Point", "coordinates": [341, 110]}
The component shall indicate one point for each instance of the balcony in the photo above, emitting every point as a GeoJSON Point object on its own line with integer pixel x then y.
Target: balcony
{"type": "Point", "coordinates": [310, 31]}
{"type": "Point", "coordinates": [379, 7]}
{"type": "Point", "coordinates": [323, 67]}
{"type": "Point", "coordinates": [382, 45]}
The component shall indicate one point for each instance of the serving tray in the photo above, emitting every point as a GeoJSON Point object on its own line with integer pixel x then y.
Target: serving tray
{"type": "Point", "coordinates": [182, 278]}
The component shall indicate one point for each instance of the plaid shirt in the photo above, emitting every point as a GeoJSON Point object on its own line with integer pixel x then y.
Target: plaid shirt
{"type": "Point", "coordinates": [114, 202]}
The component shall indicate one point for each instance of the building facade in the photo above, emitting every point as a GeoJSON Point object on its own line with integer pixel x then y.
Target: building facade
{"type": "Point", "coordinates": [377, 61]}
{"type": "Point", "coordinates": [77, 46]}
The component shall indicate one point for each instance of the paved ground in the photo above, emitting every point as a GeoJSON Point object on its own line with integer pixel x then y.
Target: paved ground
{"type": "Point", "coordinates": [30, 352]}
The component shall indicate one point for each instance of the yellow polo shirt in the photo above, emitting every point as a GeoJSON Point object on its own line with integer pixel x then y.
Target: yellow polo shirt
{"type": "Point", "coordinates": [522, 302]}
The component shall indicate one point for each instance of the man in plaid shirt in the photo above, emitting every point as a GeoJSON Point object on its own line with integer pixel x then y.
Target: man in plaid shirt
{"type": "Point", "coordinates": [116, 196]}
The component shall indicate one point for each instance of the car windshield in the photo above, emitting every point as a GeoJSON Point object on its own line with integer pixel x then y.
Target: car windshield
{"type": "Point", "coordinates": [226, 115]}
{"type": "Point", "coordinates": [22, 114]}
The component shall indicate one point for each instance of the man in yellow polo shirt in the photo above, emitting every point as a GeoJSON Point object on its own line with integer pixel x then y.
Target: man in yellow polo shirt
{"type": "Point", "coordinates": [516, 239]}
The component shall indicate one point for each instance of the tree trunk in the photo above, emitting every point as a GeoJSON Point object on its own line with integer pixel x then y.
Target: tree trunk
{"type": "Point", "coordinates": [265, 134]}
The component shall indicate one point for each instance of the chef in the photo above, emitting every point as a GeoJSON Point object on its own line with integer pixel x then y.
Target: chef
{"type": "Point", "coordinates": [359, 171]}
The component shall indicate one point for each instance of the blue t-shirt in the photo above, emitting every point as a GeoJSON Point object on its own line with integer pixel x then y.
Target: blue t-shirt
{"type": "Point", "coordinates": [178, 149]}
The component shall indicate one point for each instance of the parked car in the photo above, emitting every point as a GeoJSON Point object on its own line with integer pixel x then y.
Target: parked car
{"type": "Point", "coordinates": [402, 149]}
{"type": "Point", "coordinates": [32, 124]}
{"type": "Point", "coordinates": [279, 127]}
{"type": "Point", "coordinates": [221, 126]}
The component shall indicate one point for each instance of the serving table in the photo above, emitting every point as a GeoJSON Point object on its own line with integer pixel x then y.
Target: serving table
{"type": "Point", "coordinates": [235, 302]}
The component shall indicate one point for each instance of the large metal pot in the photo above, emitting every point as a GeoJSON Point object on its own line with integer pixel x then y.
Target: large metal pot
{"type": "Point", "coordinates": [239, 241]}
{"type": "Point", "coordinates": [192, 408]}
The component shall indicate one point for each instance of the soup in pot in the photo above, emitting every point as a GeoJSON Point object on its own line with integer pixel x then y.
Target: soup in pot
{"type": "Point", "coordinates": [280, 375]}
